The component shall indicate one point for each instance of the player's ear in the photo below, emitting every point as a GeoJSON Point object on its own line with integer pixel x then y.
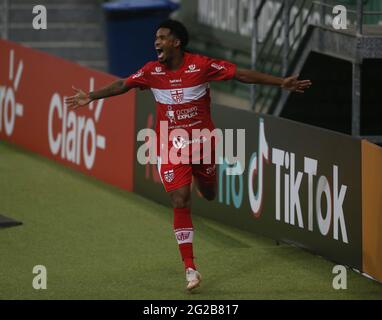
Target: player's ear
{"type": "Point", "coordinates": [177, 43]}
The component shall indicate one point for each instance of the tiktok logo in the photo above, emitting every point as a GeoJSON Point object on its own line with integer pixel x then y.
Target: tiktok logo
{"type": "Point", "coordinates": [256, 165]}
{"type": "Point", "coordinates": [10, 109]}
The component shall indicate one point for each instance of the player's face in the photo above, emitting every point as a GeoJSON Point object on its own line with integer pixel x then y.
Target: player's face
{"type": "Point", "coordinates": [165, 44]}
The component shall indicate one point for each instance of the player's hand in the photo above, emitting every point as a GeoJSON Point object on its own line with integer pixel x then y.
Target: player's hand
{"type": "Point", "coordinates": [80, 99]}
{"type": "Point", "coordinates": [294, 85]}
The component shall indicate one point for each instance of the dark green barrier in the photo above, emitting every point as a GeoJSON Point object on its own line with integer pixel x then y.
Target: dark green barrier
{"type": "Point", "coordinates": [334, 189]}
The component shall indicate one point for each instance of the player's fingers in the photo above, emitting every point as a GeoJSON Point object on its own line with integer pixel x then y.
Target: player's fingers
{"type": "Point", "coordinates": [75, 89]}
{"type": "Point", "coordinates": [291, 79]}
{"type": "Point", "coordinates": [305, 82]}
{"type": "Point", "coordinates": [71, 103]}
{"type": "Point", "coordinates": [73, 97]}
{"type": "Point", "coordinates": [69, 99]}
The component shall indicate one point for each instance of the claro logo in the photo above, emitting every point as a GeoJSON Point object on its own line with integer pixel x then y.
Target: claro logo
{"type": "Point", "coordinates": [9, 107]}
{"type": "Point", "coordinates": [74, 138]}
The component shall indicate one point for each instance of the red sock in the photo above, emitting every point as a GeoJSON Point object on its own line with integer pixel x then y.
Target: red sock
{"type": "Point", "coordinates": [184, 233]}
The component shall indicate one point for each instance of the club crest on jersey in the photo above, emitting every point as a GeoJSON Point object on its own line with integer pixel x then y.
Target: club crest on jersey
{"type": "Point", "coordinates": [177, 95]}
{"type": "Point", "coordinates": [170, 114]}
{"type": "Point", "coordinates": [169, 175]}
{"type": "Point", "coordinates": [158, 69]}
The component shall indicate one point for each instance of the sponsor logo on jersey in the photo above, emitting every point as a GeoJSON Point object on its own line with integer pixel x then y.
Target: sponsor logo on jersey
{"type": "Point", "coordinates": [158, 71]}
{"type": "Point", "coordinates": [180, 143]}
{"type": "Point", "coordinates": [175, 82]}
{"type": "Point", "coordinates": [177, 95]}
{"type": "Point", "coordinates": [188, 113]}
{"type": "Point", "coordinates": [140, 73]}
{"type": "Point", "coordinates": [211, 170]}
{"type": "Point", "coordinates": [217, 66]}
{"type": "Point", "coordinates": [169, 175]}
{"type": "Point", "coordinates": [192, 68]}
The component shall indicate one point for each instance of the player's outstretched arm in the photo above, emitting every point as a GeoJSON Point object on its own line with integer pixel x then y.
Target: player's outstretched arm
{"type": "Point", "coordinates": [82, 98]}
{"type": "Point", "coordinates": [256, 77]}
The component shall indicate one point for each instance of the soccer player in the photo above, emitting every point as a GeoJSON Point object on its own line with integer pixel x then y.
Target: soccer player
{"type": "Point", "coordinates": [179, 81]}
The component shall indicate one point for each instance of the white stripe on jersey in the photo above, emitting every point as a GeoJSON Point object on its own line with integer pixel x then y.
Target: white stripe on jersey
{"type": "Point", "coordinates": [179, 95]}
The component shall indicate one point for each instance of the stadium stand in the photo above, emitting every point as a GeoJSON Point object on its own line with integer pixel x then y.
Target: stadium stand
{"type": "Point", "coordinates": [75, 29]}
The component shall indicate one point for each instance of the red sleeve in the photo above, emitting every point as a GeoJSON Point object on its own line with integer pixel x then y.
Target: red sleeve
{"type": "Point", "coordinates": [140, 79]}
{"type": "Point", "coordinates": [219, 69]}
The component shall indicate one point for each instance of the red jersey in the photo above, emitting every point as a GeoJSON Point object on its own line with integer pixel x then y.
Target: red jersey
{"type": "Point", "coordinates": [183, 96]}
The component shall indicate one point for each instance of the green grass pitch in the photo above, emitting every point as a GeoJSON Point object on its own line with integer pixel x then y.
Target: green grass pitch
{"type": "Point", "coordinates": [99, 242]}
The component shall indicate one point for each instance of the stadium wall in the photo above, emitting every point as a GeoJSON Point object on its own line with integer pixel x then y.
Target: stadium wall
{"type": "Point", "coordinates": [98, 141]}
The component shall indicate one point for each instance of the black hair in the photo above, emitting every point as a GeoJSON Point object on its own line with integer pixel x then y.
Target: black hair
{"type": "Point", "coordinates": [177, 29]}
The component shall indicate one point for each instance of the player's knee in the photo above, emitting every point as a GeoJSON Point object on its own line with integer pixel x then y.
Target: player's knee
{"type": "Point", "coordinates": [180, 201]}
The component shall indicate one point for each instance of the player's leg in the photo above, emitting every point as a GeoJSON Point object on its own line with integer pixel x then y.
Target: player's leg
{"type": "Point", "coordinates": [205, 178]}
{"type": "Point", "coordinates": [205, 173]}
{"type": "Point", "coordinates": [177, 182]}
{"type": "Point", "coordinates": [183, 227]}
{"type": "Point", "coordinates": [181, 197]}
{"type": "Point", "coordinates": [207, 190]}
{"type": "Point", "coordinates": [184, 232]}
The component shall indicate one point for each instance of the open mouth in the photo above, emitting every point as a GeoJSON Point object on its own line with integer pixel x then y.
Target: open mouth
{"type": "Point", "coordinates": [160, 53]}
